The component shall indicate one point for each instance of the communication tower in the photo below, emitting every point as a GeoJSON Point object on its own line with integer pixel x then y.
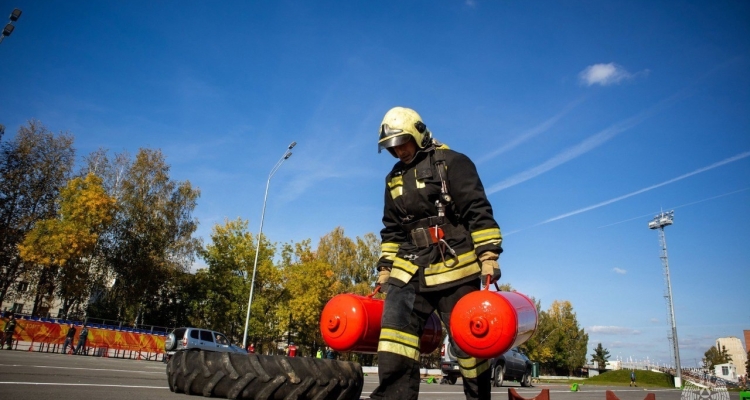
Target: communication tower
{"type": "Point", "coordinates": [658, 223]}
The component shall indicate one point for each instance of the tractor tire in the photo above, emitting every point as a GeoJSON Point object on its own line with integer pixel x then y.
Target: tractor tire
{"type": "Point", "coordinates": [253, 376]}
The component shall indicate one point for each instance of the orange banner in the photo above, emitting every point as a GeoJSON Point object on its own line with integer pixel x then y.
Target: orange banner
{"type": "Point", "coordinates": [50, 332]}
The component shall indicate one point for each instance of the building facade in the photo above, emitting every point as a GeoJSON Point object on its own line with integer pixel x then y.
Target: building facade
{"type": "Point", "coordinates": [736, 350]}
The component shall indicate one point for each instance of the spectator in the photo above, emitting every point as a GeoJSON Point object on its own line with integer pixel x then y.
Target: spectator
{"type": "Point", "coordinates": [632, 379]}
{"type": "Point", "coordinates": [330, 354]}
{"type": "Point", "coordinates": [10, 330]}
{"type": "Point", "coordinates": [82, 340]}
{"type": "Point", "coordinates": [319, 354]}
{"type": "Point", "coordinates": [292, 350]}
{"type": "Point", "coordinates": [69, 339]}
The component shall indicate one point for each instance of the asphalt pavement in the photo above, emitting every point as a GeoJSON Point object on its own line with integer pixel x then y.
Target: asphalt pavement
{"type": "Point", "coordinates": [34, 376]}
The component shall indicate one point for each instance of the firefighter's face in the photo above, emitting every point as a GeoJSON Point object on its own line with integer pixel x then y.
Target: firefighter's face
{"type": "Point", "coordinates": [405, 152]}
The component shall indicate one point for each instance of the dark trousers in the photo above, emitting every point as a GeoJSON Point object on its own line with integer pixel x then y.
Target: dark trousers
{"type": "Point", "coordinates": [9, 339]}
{"type": "Point", "coordinates": [405, 312]}
{"type": "Point", "coordinates": [67, 343]}
{"type": "Point", "coordinates": [80, 347]}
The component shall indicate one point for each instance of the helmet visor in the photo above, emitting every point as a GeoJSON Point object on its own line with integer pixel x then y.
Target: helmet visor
{"type": "Point", "coordinates": [391, 137]}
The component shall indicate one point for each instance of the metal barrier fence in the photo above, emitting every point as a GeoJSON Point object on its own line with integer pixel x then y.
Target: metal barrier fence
{"type": "Point", "coordinates": [49, 337]}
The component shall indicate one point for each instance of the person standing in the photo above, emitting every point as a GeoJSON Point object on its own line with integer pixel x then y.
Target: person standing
{"type": "Point", "coordinates": [69, 338]}
{"type": "Point", "coordinates": [319, 354]}
{"type": "Point", "coordinates": [330, 354]}
{"type": "Point", "coordinates": [82, 340]}
{"type": "Point", "coordinates": [632, 379]}
{"type": "Point", "coordinates": [439, 238]}
{"type": "Point", "coordinates": [9, 331]}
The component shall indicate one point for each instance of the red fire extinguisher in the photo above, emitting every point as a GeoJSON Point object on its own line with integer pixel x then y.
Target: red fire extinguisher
{"type": "Point", "coordinates": [486, 324]}
{"type": "Point", "coordinates": [350, 322]}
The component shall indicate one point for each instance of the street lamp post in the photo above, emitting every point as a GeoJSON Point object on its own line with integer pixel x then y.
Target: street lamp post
{"type": "Point", "coordinates": [8, 29]}
{"type": "Point", "coordinates": [283, 158]}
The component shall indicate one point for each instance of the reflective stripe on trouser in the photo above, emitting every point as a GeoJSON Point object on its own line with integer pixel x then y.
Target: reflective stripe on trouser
{"type": "Point", "coordinates": [472, 367]}
{"type": "Point", "coordinates": [404, 315]}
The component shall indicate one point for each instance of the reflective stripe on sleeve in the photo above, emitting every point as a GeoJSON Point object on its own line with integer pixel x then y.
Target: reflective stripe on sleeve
{"type": "Point", "coordinates": [487, 236]}
{"type": "Point", "coordinates": [388, 251]}
{"type": "Point", "coordinates": [403, 270]}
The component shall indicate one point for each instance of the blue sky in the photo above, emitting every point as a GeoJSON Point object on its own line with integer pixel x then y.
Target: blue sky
{"type": "Point", "coordinates": [585, 119]}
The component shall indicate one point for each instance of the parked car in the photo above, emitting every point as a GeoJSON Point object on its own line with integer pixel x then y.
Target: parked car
{"type": "Point", "coordinates": [513, 365]}
{"type": "Point", "coordinates": [199, 339]}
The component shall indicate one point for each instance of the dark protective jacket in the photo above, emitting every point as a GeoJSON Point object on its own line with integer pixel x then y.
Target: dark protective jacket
{"type": "Point", "coordinates": [10, 326]}
{"type": "Point", "coordinates": [469, 226]}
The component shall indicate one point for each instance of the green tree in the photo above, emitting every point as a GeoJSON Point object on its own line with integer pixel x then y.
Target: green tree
{"type": "Point", "coordinates": [34, 166]}
{"type": "Point", "coordinates": [230, 258]}
{"type": "Point", "coordinates": [59, 247]}
{"type": "Point", "coordinates": [600, 356]}
{"type": "Point", "coordinates": [714, 356]}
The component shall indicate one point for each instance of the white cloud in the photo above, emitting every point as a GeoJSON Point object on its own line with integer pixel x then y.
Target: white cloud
{"type": "Point", "coordinates": [603, 74]}
{"type": "Point", "coordinates": [613, 330]}
{"type": "Point", "coordinates": [571, 153]}
{"type": "Point", "coordinates": [658, 185]}
{"type": "Point", "coordinates": [619, 271]}
{"type": "Point", "coordinates": [535, 131]}
{"type": "Point", "coordinates": [654, 320]}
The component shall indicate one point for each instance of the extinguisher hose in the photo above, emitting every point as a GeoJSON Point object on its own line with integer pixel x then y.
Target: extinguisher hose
{"type": "Point", "coordinates": [374, 291]}
{"type": "Point", "coordinates": [487, 284]}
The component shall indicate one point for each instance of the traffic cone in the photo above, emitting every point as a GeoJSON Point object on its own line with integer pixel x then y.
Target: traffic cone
{"type": "Point", "coordinates": [611, 396]}
{"type": "Point", "coordinates": [513, 395]}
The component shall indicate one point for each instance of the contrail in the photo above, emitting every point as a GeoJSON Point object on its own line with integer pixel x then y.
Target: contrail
{"type": "Point", "coordinates": [658, 185]}
{"type": "Point", "coordinates": [587, 145]}
{"type": "Point", "coordinates": [541, 128]}
{"type": "Point", "coordinates": [616, 199]}
{"type": "Point", "coordinates": [680, 206]}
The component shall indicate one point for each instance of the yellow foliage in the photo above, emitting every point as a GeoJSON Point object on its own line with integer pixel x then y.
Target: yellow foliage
{"type": "Point", "coordinates": [85, 210]}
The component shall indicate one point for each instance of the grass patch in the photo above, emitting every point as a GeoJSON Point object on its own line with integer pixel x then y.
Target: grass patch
{"type": "Point", "coordinates": [642, 379]}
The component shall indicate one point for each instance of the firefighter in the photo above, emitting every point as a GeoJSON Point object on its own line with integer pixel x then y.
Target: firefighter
{"type": "Point", "coordinates": [438, 241]}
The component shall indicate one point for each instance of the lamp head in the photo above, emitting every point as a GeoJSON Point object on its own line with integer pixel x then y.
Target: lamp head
{"type": "Point", "coordinates": [15, 14]}
{"type": "Point", "coordinates": [8, 29]}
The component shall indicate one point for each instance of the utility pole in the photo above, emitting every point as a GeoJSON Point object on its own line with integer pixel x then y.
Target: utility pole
{"type": "Point", "coordinates": [658, 223]}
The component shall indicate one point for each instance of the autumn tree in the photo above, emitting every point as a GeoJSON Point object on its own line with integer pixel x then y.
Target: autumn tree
{"type": "Point", "coordinates": [600, 356]}
{"type": "Point", "coordinates": [571, 340]}
{"type": "Point", "coordinates": [559, 344]}
{"type": "Point", "coordinates": [60, 247]}
{"type": "Point", "coordinates": [539, 347]}
{"type": "Point", "coordinates": [151, 236]}
{"type": "Point", "coordinates": [352, 261]}
{"type": "Point", "coordinates": [34, 166]}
